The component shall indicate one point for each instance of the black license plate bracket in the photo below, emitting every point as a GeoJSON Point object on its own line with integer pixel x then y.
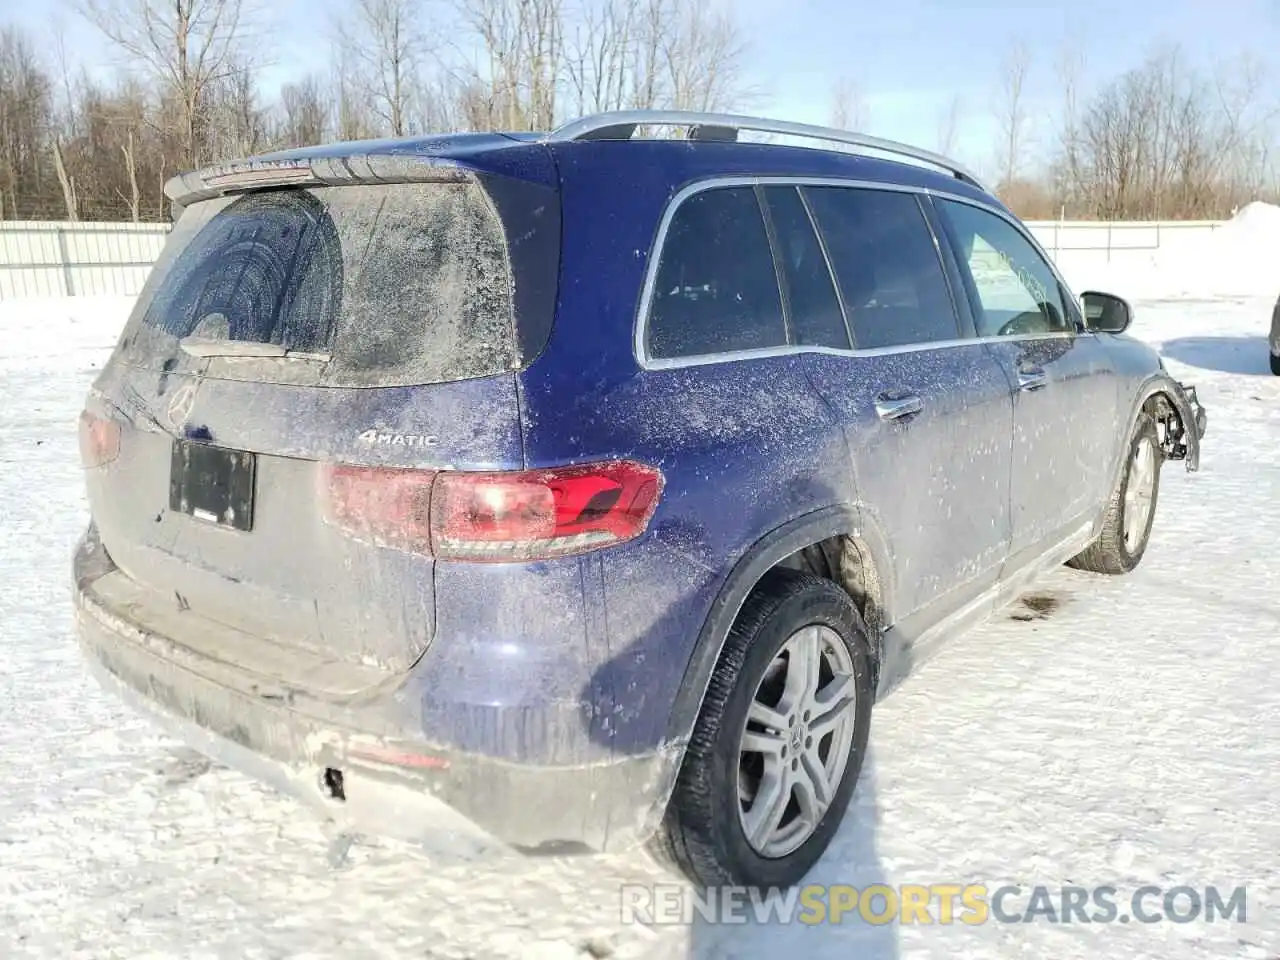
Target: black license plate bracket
{"type": "Point", "coordinates": [213, 484]}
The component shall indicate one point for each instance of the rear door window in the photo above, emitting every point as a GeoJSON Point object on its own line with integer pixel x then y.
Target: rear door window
{"type": "Point", "coordinates": [716, 289]}
{"type": "Point", "coordinates": [886, 264]}
{"type": "Point", "coordinates": [816, 317]}
{"type": "Point", "coordinates": [365, 285]}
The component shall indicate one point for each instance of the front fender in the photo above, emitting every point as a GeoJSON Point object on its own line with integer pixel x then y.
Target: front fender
{"type": "Point", "coordinates": [1184, 431]}
{"type": "Point", "coordinates": [1193, 419]}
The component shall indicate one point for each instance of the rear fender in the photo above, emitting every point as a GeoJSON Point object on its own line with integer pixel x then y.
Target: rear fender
{"type": "Point", "coordinates": [768, 552]}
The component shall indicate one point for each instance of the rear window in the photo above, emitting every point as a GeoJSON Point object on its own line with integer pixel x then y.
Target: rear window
{"type": "Point", "coordinates": [368, 285]}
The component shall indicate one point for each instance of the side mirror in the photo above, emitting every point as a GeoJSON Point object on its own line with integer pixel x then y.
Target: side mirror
{"type": "Point", "coordinates": [1105, 312]}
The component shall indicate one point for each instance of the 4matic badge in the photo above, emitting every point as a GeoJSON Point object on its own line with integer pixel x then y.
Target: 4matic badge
{"type": "Point", "coordinates": [381, 438]}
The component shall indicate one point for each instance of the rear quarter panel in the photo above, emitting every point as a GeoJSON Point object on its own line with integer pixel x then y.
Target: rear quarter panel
{"type": "Point", "coordinates": [744, 446]}
{"type": "Point", "coordinates": [531, 656]}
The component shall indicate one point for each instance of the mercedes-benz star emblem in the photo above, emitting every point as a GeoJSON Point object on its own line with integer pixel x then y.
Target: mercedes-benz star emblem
{"type": "Point", "coordinates": [180, 405]}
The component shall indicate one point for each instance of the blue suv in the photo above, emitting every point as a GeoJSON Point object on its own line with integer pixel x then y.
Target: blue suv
{"type": "Point", "coordinates": [578, 491]}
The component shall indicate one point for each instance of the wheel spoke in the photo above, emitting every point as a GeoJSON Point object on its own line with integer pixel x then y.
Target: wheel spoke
{"type": "Point", "coordinates": [770, 803]}
{"type": "Point", "coordinates": [812, 787]}
{"type": "Point", "coordinates": [802, 668]}
{"type": "Point", "coordinates": [833, 703]}
{"type": "Point", "coordinates": [768, 742]}
{"type": "Point", "coordinates": [766, 716]}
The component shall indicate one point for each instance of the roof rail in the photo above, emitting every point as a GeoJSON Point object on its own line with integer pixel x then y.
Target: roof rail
{"type": "Point", "coordinates": [622, 124]}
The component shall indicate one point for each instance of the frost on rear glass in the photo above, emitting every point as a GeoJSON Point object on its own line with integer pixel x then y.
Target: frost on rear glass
{"type": "Point", "coordinates": [398, 283]}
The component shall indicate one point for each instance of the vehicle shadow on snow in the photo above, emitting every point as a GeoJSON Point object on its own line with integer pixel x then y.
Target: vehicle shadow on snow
{"type": "Point", "coordinates": [808, 929]}
{"type": "Point", "coordinates": [785, 925]}
{"type": "Point", "coordinates": [1239, 355]}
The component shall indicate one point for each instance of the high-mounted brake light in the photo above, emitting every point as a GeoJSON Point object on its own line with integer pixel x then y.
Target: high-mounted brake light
{"type": "Point", "coordinates": [99, 440]}
{"type": "Point", "coordinates": [259, 174]}
{"type": "Point", "coordinates": [494, 517]}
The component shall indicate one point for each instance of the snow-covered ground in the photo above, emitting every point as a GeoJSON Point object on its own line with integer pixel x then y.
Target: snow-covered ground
{"type": "Point", "coordinates": [1131, 736]}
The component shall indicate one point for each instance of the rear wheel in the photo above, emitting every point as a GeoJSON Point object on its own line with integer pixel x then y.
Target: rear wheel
{"type": "Point", "coordinates": [1126, 527]}
{"type": "Point", "coordinates": [1275, 365]}
{"type": "Point", "coordinates": [778, 746]}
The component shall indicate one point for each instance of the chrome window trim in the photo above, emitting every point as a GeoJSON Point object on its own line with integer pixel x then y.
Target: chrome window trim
{"type": "Point", "coordinates": [641, 322]}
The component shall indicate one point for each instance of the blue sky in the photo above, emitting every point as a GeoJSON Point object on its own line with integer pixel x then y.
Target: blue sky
{"type": "Point", "coordinates": [909, 58]}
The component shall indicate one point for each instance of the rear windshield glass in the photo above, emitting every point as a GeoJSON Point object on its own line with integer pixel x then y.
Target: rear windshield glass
{"type": "Point", "coordinates": [363, 285]}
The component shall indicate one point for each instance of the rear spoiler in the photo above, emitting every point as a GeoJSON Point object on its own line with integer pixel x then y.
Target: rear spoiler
{"type": "Point", "coordinates": [242, 176]}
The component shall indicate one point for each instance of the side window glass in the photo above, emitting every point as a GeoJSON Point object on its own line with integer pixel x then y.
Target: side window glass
{"type": "Point", "coordinates": [1017, 291]}
{"type": "Point", "coordinates": [716, 289]}
{"type": "Point", "coordinates": [887, 266]}
{"type": "Point", "coordinates": [816, 319]}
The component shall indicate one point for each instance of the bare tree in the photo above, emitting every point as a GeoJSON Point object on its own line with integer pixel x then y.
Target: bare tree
{"type": "Point", "coordinates": [600, 53]}
{"type": "Point", "coordinates": [649, 54]}
{"type": "Point", "coordinates": [234, 121]}
{"type": "Point", "coordinates": [185, 45]}
{"type": "Point", "coordinates": [353, 110]}
{"type": "Point", "coordinates": [1161, 141]}
{"type": "Point", "coordinates": [131, 168]}
{"type": "Point", "coordinates": [705, 58]}
{"type": "Point", "coordinates": [543, 57]}
{"type": "Point", "coordinates": [1066, 171]}
{"type": "Point", "coordinates": [1012, 111]}
{"type": "Point", "coordinates": [72, 144]}
{"type": "Point", "coordinates": [657, 22]}
{"type": "Point", "coordinates": [521, 63]}
{"type": "Point", "coordinates": [305, 110]}
{"type": "Point", "coordinates": [26, 108]}
{"type": "Point", "coordinates": [848, 108]}
{"type": "Point", "coordinates": [383, 48]}
{"type": "Point", "coordinates": [1250, 122]}
{"type": "Point", "coordinates": [114, 147]}
{"type": "Point", "coordinates": [67, 183]}
{"type": "Point", "coordinates": [948, 125]}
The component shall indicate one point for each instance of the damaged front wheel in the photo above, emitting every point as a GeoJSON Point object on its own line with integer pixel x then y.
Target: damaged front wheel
{"type": "Point", "coordinates": [1126, 526]}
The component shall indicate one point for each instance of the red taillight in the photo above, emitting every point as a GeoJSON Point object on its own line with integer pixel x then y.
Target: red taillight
{"type": "Point", "coordinates": [99, 440]}
{"type": "Point", "coordinates": [389, 507]}
{"type": "Point", "coordinates": [494, 517]}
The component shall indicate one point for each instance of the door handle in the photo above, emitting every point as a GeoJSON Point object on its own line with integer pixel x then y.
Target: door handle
{"type": "Point", "coordinates": [898, 408]}
{"type": "Point", "coordinates": [1032, 378]}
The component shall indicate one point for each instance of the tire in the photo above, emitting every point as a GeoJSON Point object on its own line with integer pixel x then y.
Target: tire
{"type": "Point", "coordinates": [1275, 365]}
{"type": "Point", "coordinates": [1111, 553]}
{"type": "Point", "coordinates": [703, 835]}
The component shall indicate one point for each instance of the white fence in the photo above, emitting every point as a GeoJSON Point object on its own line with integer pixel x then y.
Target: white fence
{"type": "Point", "coordinates": [60, 259]}
{"type": "Point", "coordinates": [52, 259]}
{"type": "Point", "coordinates": [1082, 248]}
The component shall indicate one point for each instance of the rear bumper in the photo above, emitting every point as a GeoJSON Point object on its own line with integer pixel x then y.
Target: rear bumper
{"type": "Point", "coordinates": [409, 789]}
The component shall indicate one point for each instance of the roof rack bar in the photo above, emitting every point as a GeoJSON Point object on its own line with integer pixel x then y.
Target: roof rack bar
{"type": "Point", "coordinates": [622, 124]}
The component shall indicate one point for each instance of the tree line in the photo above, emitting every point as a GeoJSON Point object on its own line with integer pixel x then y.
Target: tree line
{"type": "Point", "coordinates": [75, 147]}
{"type": "Point", "coordinates": [1159, 141]}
